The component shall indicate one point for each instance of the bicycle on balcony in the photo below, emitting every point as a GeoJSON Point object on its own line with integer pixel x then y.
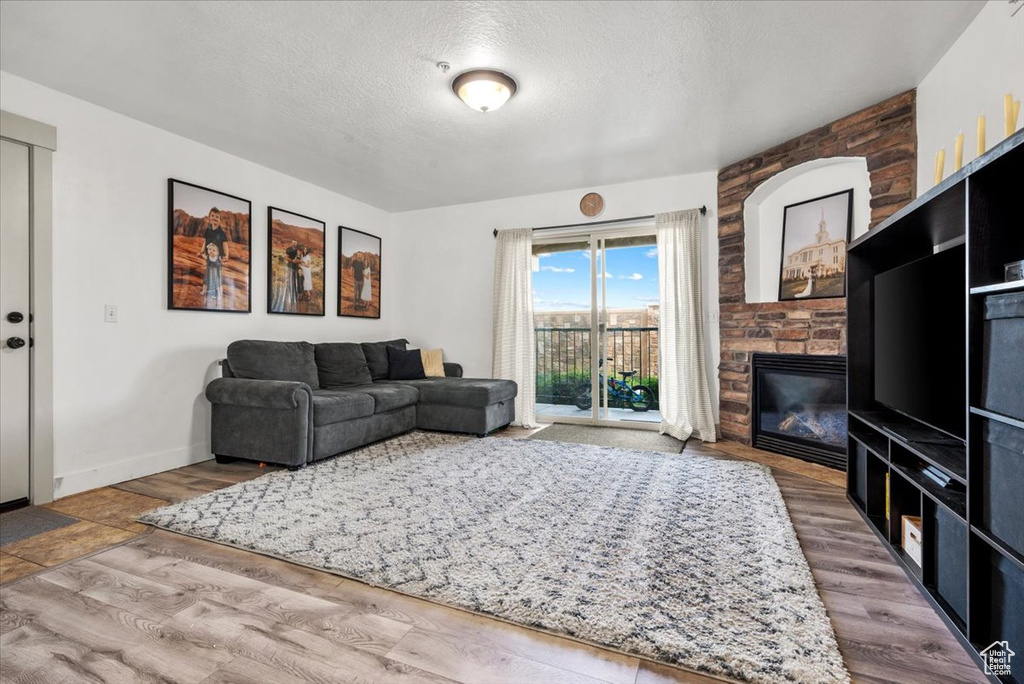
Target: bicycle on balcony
{"type": "Point", "coordinates": [620, 394]}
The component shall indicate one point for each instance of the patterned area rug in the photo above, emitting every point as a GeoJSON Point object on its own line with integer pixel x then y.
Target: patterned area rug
{"type": "Point", "coordinates": [684, 559]}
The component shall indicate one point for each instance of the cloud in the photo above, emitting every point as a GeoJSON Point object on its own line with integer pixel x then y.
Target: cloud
{"type": "Point", "coordinates": [556, 269]}
{"type": "Point", "coordinates": [652, 253]}
{"type": "Point", "coordinates": [648, 300]}
{"type": "Point", "coordinates": [634, 276]}
{"type": "Point", "coordinates": [558, 305]}
{"type": "Point", "coordinates": [608, 275]}
{"type": "Point", "coordinates": [585, 253]}
{"type": "Point", "coordinates": [544, 255]}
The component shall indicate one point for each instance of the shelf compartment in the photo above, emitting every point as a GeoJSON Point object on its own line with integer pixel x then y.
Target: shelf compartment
{"type": "Point", "coordinates": [857, 473]}
{"type": "Point", "coordinates": [994, 222]}
{"type": "Point", "coordinates": [999, 367]}
{"type": "Point", "coordinates": [876, 472]}
{"type": "Point", "coordinates": [950, 459]}
{"type": "Point", "coordinates": [951, 497]}
{"type": "Point", "coordinates": [997, 602]}
{"type": "Point", "coordinates": [873, 442]}
{"type": "Point", "coordinates": [904, 499]}
{"type": "Point", "coordinates": [945, 557]}
{"type": "Point", "coordinates": [998, 483]}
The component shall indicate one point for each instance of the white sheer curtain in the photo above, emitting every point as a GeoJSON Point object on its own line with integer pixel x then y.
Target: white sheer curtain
{"type": "Point", "coordinates": [682, 383]}
{"type": "Point", "coordinates": [514, 344]}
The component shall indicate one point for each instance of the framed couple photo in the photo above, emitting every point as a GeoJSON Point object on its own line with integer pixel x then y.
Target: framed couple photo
{"type": "Point", "coordinates": [295, 263]}
{"type": "Point", "coordinates": [358, 273]}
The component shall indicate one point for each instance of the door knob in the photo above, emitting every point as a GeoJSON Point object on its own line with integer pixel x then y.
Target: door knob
{"type": "Point", "coordinates": [15, 342]}
{"type": "Point", "coordinates": [15, 317]}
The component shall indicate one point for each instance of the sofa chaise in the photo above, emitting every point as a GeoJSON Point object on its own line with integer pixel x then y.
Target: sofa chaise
{"type": "Point", "coordinates": [293, 403]}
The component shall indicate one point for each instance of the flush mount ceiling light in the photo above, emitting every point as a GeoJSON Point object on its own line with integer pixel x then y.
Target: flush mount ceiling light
{"type": "Point", "coordinates": [484, 89]}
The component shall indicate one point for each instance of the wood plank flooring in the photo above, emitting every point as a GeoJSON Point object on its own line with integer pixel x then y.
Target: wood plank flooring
{"type": "Point", "coordinates": [164, 607]}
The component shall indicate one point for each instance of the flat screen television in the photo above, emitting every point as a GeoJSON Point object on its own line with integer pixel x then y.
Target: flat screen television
{"type": "Point", "coordinates": [920, 345]}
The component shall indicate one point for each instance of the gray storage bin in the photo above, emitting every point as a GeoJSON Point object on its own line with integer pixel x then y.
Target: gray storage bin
{"type": "Point", "coordinates": [1002, 470]}
{"type": "Point", "coordinates": [1002, 355]}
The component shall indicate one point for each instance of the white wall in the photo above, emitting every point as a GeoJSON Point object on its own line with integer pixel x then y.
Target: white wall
{"type": "Point", "coordinates": [447, 268]}
{"type": "Point", "coordinates": [986, 62]}
{"type": "Point", "coordinates": [128, 397]}
{"type": "Point", "coordinates": [764, 208]}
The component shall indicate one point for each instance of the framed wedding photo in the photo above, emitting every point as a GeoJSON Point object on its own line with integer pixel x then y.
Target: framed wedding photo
{"type": "Point", "coordinates": [814, 237]}
{"type": "Point", "coordinates": [295, 263]}
{"type": "Point", "coordinates": [209, 236]}
{"type": "Point", "coordinates": [358, 273]}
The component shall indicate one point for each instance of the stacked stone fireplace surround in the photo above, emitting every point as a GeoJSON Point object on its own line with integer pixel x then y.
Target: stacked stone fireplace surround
{"type": "Point", "coordinates": [885, 135]}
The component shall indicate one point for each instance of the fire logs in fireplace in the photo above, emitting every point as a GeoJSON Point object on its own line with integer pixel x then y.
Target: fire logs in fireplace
{"type": "Point", "coordinates": [799, 406]}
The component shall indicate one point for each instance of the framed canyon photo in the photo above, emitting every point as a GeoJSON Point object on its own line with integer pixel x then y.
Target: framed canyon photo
{"type": "Point", "coordinates": [209, 236]}
{"type": "Point", "coordinates": [295, 263]}
{"type": "Point", "coordinates": [814, 237]}
{"type": "Point", "coordinates": [358, 273]}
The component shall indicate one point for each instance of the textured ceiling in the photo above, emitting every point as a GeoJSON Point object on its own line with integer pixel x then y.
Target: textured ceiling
{"type": "Point", "coordinates": [347, 95]}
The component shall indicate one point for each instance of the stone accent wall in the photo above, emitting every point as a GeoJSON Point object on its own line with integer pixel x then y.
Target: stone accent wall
{"type": "Point", "coordinates": [885, 134]}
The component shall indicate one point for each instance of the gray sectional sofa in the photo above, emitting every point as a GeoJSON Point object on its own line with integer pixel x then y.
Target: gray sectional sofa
{"type": "Point", "coordinates": [292, 403]}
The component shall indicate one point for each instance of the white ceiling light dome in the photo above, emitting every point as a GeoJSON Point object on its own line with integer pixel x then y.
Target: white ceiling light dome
{"type": "Point", "coordinates": [485, 90]}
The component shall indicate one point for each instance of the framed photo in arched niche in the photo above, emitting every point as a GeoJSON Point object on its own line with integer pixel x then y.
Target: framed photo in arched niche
{"type": "Point", "coordinates": [814, 237]}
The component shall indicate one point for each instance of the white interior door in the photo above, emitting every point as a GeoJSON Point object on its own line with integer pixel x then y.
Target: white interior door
{"type": "Point", "coordinates": [14, 321]}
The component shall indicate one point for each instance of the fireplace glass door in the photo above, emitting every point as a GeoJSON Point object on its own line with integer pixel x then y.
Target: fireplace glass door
{"type": "Point", "coordinates": [800, 406]}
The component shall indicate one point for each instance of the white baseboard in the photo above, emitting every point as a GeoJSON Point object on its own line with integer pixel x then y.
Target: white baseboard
{"type": "Point", "coordinates": [113, 473]}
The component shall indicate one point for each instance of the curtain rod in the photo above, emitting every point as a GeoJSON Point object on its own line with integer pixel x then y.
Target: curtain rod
{"type": "Point", "coordinates": [703, 210]}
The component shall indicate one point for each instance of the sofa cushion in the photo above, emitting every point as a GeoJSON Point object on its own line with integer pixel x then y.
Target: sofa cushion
{"type": "Point", "coordinates": [405, 365]}
{"type": "Point", "coordinates": [335, 406]}
{"type": "Point", "coordinates": [433, 362]}
{"type": "Point", "coordinates": [377, 356]}
{"type": "Point", "coordinates": [341, 364]}
{"type": "Point", "coordinates": [387, 396]}
{"type": "Point", "coordinates": [267, 360]}
{"type": "Point", "coordinates": [471, 392]}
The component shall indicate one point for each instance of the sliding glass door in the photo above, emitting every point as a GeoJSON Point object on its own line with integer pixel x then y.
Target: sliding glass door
{"type": "Point", "coordinates": [596, 322]}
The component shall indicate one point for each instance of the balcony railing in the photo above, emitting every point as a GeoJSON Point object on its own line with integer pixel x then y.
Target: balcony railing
{"type": "Point", "coordinates": [564, 360]}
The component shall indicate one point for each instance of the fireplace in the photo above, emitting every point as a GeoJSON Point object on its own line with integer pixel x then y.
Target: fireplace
{"type": "Point", "coordinates": [799, 406]}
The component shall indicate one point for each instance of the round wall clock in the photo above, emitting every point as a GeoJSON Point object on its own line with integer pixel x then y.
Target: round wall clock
{"type": "Point", "coordinates": [592, 204]}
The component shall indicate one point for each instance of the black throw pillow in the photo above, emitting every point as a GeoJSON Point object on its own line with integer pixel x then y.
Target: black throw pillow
{"type": "Point", "coordinates": [377, 356]}
{"type": "Point", "coordinates": [405, 365]}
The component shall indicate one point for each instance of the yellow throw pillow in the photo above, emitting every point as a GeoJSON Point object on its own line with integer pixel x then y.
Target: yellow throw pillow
{"type": "Point", "coordinates": [433, 362]}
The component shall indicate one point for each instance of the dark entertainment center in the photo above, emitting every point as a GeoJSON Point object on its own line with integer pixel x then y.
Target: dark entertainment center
{"type": "Point", "coordinates": [935, 392]}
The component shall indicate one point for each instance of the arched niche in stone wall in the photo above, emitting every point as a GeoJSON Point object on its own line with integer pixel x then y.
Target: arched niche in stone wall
{"type": "Point", "coordinates": [763, 211]}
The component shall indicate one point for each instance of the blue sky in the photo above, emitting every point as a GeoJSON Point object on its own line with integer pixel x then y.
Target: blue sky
{"type": "Point", "coordinates": [563, 282]}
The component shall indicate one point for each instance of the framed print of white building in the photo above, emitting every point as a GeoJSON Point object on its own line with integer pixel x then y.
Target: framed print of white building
{"type": "Point", "coordinates": [814, 237]}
